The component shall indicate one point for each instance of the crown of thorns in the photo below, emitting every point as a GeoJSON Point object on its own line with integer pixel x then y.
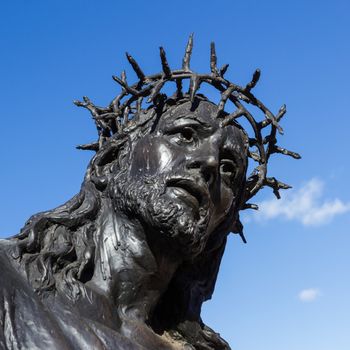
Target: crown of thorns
{"type": "Point", "coordinates": [126, 107]}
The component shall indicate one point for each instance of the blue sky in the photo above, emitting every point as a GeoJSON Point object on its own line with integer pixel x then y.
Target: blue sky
{"type": "Point", "coordinates": [288, 287]}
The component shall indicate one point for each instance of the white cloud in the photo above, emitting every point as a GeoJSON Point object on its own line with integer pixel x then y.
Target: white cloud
{"type": "Point", "coordinates": [304, 205]}
{"type": "Point", "coordinates": [308, 295]}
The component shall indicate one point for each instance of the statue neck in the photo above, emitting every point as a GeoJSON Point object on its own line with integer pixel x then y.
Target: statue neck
{"type": "Point", "coordinates": [127, 269]}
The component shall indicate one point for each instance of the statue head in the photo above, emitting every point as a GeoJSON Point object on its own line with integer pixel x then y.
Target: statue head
{"type": "Point", "coordinates": [175, 164]}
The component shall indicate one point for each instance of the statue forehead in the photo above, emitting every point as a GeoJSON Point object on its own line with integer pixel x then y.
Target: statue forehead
{"type": "Point", "coordinates": [202, 110]}
{"type": "Point", "coordinates": [205, 113]}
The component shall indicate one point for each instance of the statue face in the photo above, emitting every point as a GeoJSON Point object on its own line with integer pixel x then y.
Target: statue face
{"type": "Point", "coordinates": [184, 177]}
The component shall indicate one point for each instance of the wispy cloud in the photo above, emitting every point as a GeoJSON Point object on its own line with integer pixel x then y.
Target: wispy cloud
{"type": "Point", "coordinates": [304, 205]}
{"type": "Point", "coordinates": [308, 295]}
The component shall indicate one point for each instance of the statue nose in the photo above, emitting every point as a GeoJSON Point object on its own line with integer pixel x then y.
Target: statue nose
{"type": "Point", "coordinates": [207, 165]}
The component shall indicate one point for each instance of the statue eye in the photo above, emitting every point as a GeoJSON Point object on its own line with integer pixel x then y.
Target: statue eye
{"type": "Point", "coordinates": [187, 134]}
{"type": "Point", "coordinates": [183, 135]}
{"type": "Point", "coordinates": [227, 168]}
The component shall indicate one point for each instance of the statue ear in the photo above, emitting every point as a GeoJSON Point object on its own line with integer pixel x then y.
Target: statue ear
{"type": "Point", "coordinates": [103, 163]}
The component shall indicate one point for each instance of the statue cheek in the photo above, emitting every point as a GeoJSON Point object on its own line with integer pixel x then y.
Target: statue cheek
{"type": "Point", "coordinates": [150, 157]}
{"type": "Point", "coordinates": [165, 157]}
{"type": "Point", "coordinates": [224, 205]}
{"type": "Point", "coordinates": [227, 199]}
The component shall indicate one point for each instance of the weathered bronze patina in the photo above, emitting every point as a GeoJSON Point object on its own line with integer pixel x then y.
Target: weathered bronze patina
{"type": "Point", "coordinates": [128, 262]}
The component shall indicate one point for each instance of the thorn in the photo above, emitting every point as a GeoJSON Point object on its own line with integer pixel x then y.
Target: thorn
{"type": "Point", "coordinates": [256, 76]}
{"type": "Point", "coordinates": [282, 111]}
{"type": "Point", "coordinates": [194, 85]}
{"type": "Point", "coordinates": [156, 90]}
{"type": "Point", "coordinates": [261, 174]}
{"type": "Point", "coordinates": [254, 155]}
{"type": "Point", "coordinates": [165, 64]}
{"type": "Point", "coordinates": [135, 66]}
{"type": "Point", "coordinates": [123, 77]}
{"type": "Point", "coordinates": [126, 115]}
{"type": "Point", "coordinates": [179, 88]}
{"type": "Point", "coordinates": [250, 206]}
{"type": "Point", "coordinates": [213, 58]}
{"type": "Point", "coordinates": [122, 83]}
{"type": "Point", "coordinates": [86, 99]}
{"type": "Point", "coordinates": [239, 230]}
{"type": "Point", "coordinates": [89, 147]}
{"type": "Point", "coordinates": [187, 57]}
{"type": "Point", "coordinates": [284, 186]}
{"type": "Point", "coordinates": [241, 234]}
{"type": "Point", "coordinates": [271, 119]}
{"type": "Point", "coordinates": [79, 103]}
{"type": "Point", "coordinates": [255, 79]}
{"type": "Point", "coordinates": [223, 69]}
{"type": "Point", "coordinates": [224, 96]}
{"type": "Point", "coordinates": [284, 151]}
{"type": "Point", "coordinates": [138, 107]}
{"type": "Point", "coordinates": [276, 193]}
{"type": "Point", "coordinates": [231, 117]}
{"type": "Point", "coordinates": [276, 186]}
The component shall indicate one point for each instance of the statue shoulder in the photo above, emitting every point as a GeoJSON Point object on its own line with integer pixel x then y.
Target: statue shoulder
{"type": "Point", "coordinates": [9, 276]}
{"type": "Point", "coordinates": [25, 322]}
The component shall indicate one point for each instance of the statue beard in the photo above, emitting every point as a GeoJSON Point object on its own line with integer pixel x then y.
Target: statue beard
{"type": "Point", "coordinates": [145, 199]}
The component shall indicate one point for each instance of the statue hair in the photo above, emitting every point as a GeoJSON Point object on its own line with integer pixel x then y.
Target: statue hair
{"type": "Point", "coordinates": [57, 247]}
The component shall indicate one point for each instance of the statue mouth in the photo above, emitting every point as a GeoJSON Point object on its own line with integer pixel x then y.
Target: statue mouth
{"type": "Point", "coordinates": [189, 191]}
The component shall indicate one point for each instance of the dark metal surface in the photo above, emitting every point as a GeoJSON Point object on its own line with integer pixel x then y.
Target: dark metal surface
{"type": "Point", "coordinates": [128, 262]}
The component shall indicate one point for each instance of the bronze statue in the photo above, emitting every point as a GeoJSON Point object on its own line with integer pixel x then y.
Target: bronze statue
{"type": "Point", "coordinates": [128, 261]}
